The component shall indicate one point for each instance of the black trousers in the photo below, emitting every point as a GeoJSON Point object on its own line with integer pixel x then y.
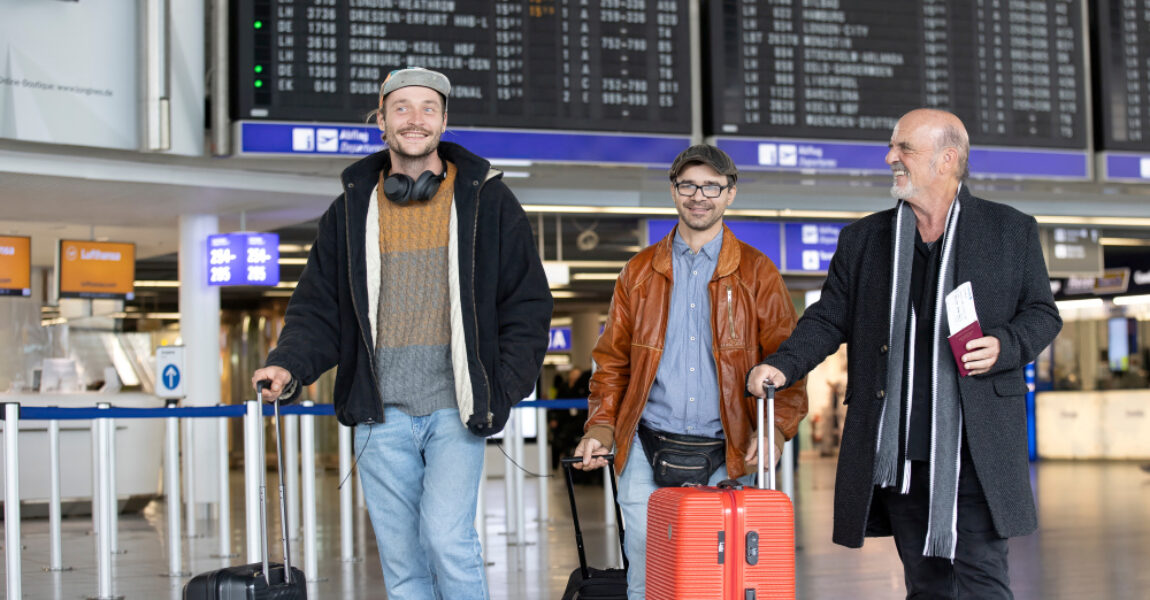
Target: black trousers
{"type": "Point", "coordinates": [979, 569]}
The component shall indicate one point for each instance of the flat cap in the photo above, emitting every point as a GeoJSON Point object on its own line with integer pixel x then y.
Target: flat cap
{"type": "Point", "coordinates": [401, 78]}
{"type": "Point", "coordinates": [708, 155]}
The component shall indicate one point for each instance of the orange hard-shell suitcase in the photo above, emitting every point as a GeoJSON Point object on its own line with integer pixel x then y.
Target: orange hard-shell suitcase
{"type": "Point", "coordinates": [725, 542]}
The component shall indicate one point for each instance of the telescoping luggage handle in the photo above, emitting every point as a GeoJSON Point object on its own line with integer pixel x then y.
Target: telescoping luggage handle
{"type": "Point", "coordinates": [263, 496]}
{"type": "Point", "coordinates": [567, 466]}
{"type": "Point", "coordinates": [769, 425]}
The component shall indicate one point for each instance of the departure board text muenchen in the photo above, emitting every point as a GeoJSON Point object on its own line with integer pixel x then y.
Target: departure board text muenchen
{"type": "Point", "coordinates": [610, 65]}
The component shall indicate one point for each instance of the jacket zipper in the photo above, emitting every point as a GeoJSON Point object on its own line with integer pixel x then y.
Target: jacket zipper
{"type": "Point", "coordinates": [731, 314]}
{"type": "Point", "coordinates": [475, 308]}
{"type": "Point", "coordinates": [354, 305]}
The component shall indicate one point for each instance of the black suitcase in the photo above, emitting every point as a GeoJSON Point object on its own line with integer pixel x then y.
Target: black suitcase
{"type": "Point", "coordinates": [262, 580]}
{"type": "Point", "coordinates": [587, 583]}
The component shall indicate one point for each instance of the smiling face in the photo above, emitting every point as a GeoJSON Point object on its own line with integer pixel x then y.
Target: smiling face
{"type": "Point", "coordinates": [926, 156]}
{"type": "Point", "coordinates": [412, 121]}
{"type": "Point", "coordinates": [697, 212]}
{"type": "Point", "coordinates": [910, 159]}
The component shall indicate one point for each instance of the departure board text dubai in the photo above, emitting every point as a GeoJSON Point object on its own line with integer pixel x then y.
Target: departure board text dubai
{"type": "Point", "coordinates": [847, 69]}
{"type": "Point", "coordinates": [608, 65]}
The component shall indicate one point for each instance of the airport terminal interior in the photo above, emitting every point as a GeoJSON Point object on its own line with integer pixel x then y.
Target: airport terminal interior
{"type": "Point", "coordinates": [196, 146]}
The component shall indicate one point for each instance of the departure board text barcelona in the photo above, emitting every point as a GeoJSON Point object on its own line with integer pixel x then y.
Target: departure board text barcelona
{"type": "Point", "coordinates": [608, 65]}
{"type": "Point", "coordinates": [1013, 70]}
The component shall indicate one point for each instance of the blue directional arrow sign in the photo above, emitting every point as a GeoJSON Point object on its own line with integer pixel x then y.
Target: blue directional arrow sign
{"type": "Point", "coordinates": [169, 372]}
{"type": "Point", "coordinates": [171, 377]}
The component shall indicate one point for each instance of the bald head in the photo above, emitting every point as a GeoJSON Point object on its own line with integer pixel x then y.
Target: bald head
{"type": "Point", "coordinates": [945, 130]}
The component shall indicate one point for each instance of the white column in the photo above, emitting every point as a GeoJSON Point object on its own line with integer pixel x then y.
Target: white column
{"type": "Point", "coordinates": [200, 330]}
{"type": "Point", "coordinates": [12, 499]}
{"type": "Point", "coordinates": [172, 493]}
{"type": "Point", "coordinates": [307, 451]}
{"type": "Point", "coordinates": [55, 553]}
{"type": "Point", "coordinates": [346, 545]}
{"type": "Point", "coordinates": [542, 466]}
{"type": "Point", "coordinates": [291, 472]}
{"type": "Point", "coordinates": [254, 466]}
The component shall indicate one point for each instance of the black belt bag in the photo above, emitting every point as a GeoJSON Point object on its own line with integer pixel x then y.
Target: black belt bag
{"type": "Point", "coordinates": [677, 459]}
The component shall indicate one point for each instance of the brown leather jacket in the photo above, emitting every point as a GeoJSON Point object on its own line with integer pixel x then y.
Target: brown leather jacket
{"type": "Point", "coordinates": [751, 314]}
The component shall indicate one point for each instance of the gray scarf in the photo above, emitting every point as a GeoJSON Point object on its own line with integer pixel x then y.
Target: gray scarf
{"type": "Point", "coordinates": [946, 411]}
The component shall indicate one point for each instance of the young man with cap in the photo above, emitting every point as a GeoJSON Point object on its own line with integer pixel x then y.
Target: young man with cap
{"type": "Point", "coordinates": [424, 287]}
{"type": "Point", "coordinates": [689, 316]}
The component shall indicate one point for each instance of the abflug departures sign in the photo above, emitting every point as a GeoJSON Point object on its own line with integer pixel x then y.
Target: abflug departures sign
{"type": "Point", "coordinates": [611, 65]}
{"type": "Point", "coordinates": [847, 69]}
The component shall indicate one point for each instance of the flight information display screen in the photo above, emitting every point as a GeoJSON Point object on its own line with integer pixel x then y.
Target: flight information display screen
{"type": "Point", "coordinates": [609, 65]}
{"type": "Point", "coordinates": [1013, 70]}
{"type": "Point", "coordinates": [1122, 31]}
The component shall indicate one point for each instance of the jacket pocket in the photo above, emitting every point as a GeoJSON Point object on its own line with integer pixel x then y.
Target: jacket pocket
{"type": "Point", "coordinates": [1010, 384]}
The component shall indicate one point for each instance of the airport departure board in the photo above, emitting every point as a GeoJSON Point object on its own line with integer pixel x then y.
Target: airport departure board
{"type": "Point", "coordinates": [1013, 70]}
{"type": "Point", "coordinates": [608, 65]}
{"type": "Point", "coordinates": [1122, 31]}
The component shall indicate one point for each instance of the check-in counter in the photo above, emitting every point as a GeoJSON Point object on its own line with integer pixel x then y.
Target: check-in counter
{"type": "Point", "coordinates": [139, 452]}
{"type": "Point", "coordinates": [1111, 424]}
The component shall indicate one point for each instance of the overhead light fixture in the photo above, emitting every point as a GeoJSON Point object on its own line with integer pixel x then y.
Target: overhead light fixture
{"type": "Point", "coordinates": [292, 261]}
{"type": "Point", "coordinates": [1117, 241]}
{"type": "Point", "coordinates": [1080, 304]}
{"type": "Point", "coordinates": [1105, 221]}
{"type": "Point", "coordinates": [143, 283]}
{"type": "Point", "coordinates": [1132, 300]}
{"type": "Point", "coordinates": [558, 274]}
{"type": "Point", "coordinates": [516, 174]}
{"type": "Point", "coordinates": [595, 276]}
{"type": "Point", "coordinates": [510, 162]}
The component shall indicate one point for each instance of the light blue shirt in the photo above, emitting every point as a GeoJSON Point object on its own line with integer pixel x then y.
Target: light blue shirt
{"type": "Point", "coordinates": [685, 395]}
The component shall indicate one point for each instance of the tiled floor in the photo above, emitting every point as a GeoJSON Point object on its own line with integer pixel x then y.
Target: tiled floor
{"type": "Point", "coordinates": [1093, 543]}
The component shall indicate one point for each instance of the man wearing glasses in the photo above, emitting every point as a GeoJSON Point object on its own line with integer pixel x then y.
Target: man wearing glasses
{"type": "Point", "coordinates": [690, 315]}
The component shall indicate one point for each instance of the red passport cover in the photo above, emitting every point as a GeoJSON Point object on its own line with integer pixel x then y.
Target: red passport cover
{"type": "Point", "coordinates": [958, 344]}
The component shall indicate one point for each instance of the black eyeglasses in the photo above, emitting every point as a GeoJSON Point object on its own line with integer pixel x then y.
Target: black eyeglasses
{"type": "Point", "coordinates": [710, 190]}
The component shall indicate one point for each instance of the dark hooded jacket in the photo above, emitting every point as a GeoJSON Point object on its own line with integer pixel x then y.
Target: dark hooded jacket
{"type": "Point", "coordinates": [500, 301]}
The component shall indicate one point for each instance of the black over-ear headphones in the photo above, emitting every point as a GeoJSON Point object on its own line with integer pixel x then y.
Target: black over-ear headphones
{"type": "Point", "coordinates": [401, 189]}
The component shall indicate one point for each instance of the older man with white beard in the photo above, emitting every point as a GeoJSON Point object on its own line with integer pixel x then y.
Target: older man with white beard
{"type": "Point", "coordinates": [934, 445]}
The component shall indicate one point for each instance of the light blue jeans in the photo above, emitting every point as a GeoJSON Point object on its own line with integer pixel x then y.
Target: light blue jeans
{"type": "Point", "coordinates": [421, 483]}
{"type": "Point", "coordinates": [636, 485]}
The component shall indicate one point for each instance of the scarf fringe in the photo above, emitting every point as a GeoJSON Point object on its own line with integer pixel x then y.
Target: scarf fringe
{"type": "Point", "coordinates": [940, 544]}
{"type": "Point", "coordinates": [886, 470]}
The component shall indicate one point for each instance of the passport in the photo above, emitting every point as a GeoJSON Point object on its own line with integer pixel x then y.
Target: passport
{"type": "Point", "coordinates": [963, 322]}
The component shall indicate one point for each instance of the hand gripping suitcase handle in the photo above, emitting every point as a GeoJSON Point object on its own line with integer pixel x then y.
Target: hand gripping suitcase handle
{"type": "Point", "coordinates": [769, 425]}
{"type": "Point", "coordinates": [260, 385]}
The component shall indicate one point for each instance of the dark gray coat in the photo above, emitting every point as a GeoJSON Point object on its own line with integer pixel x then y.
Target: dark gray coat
{"type": "Point", "coordinates": [505, 303]}
{"type": "Point", "coordinates": [997, 250]}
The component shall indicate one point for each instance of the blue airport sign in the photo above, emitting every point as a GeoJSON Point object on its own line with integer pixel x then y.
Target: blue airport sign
{"type": "Point", "coordinates": [306, 139]}
{"type": "Point", "coordinates": [867, 158]}
{"type": "Point", "coordinates": [560, 340]}
{"type": "Point", "coordinates": [243, 259]}
{"type": "Point", "coordinates": [1126, 167]}
{"type": "Point", "coordinates": [810, 246]}
{"type": "Point", "coordinates": [762, 235]}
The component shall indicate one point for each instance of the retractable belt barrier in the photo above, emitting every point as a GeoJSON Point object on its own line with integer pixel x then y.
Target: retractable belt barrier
{"type": "Point", "coordinates": [102, 417]}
